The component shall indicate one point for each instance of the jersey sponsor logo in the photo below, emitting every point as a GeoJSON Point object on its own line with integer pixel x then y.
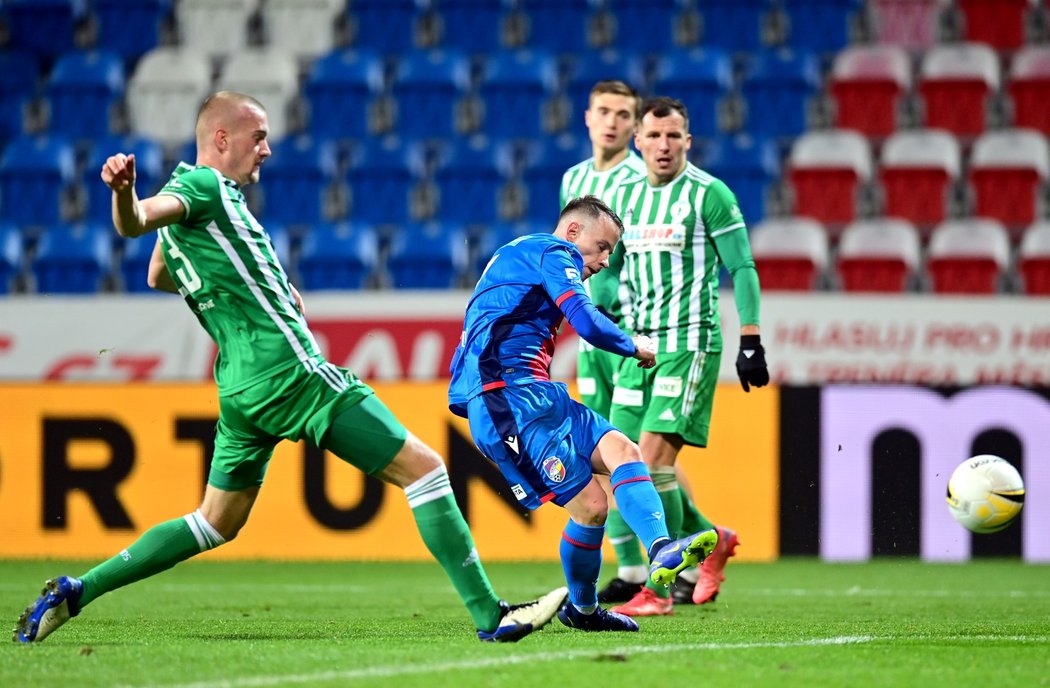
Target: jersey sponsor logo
{"type": "Point", "coordinates": [518, 491]}
{"type": "Point", "coordinates": [512, 442]}
{"type": "Point", "coordinates": [572, 274]}
{"type": "Point", "coordinates": [627, 397]}
{"type": "Point", "coordinates": [659, 237]}
{"type": "Point", "coordinates": [554, 469]}
{"type": "Point", "coordinates": [667, 387]}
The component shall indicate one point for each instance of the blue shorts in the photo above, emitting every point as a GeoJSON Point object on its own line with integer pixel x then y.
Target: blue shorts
{"type": "Point", "coordinates": [540, 438]}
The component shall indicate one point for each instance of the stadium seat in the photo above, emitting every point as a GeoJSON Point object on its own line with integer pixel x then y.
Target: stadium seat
{"type": "Point", "coordinates": [35, 171]}
{"type": "Point", "coordinates": [271, 76]}
{"type": "Point", "coordinates": [559, 26]}
{"type": "Point", "coordinates": [133, 266]}
{"type": "Point", "coordinates": [12, 255]}
{"type": "Point", "coordinates": [781, 81]}
{"type": "Point", "coordinates": [1033, 259]}
{"type": "Point", "coordinates": [43, 27]}
{"type": "Point", "coordinates": [908, 24]}
{"type": "Point", "coordinates": [867, 84]}
{"type": "Point", "coordinates": [1029, 88]}
{"type": "Point", "coordinates": [956, 81]}
{"type": "Point", "coordinates": [822, 26]}
{"type": "Point", "coordinates": [546, 161]}
{"type": "Point", "coordinates": [919, 170]}
{"type": "Point", "coordinates": [385, 26]}
{"type": "Point", "coordinates": [516, 88]}
{"type": "Point", "coordinates": [699, 77]}
{"type": "Point", "coordinates": [73, 259]}
{"type": "Point", "coordinates": [470, 177]}
{"type": "Point", "coordinates": [1008, 170]}
{"type": "Point", "coordinates": [967, 256]}
{"type": "Point", "coordinates": [827, 169]}
{"type": "Point", "coordinates": [302, 28]}
{"type": "Point", "coordinates": [734, 25]}
{"type": "Point", "coordinates": [19, 74]}
{"type": "Point", "coordinates": [338, 256]}
{"type": "Point", "coordinates": [81, 91]}
{"type": "Point", "coordinates": [877, 255]}
{"type": "Point", "coordinates": [296, 179]}
{"type": "Point", "coordinates": [130, 28]}
{"type": "Point", "coordinates": [383, 175]}
{"type": "Point", "coordinates": [165, 92]}
{"type": "Point", "coordinates": [428, 87]}
{"type": "Point", "coordinates": [590, 67]}
{"type": "Point", "coordinates": [340, 89]}
{"type": "Point", "coordinates": [214, 27]}
{"type": "Point", "coordinates": [428, 256]}
{"type": "Point", "coordinates": [791, 253]}
{"type": "Point", "coordinates": [998, 23]}
{"type": "Point", "coordinates": [645, 26]}
{"type": "Point", "coordinates": [472, 26]}
{"type": "Point", "coordinates": [748, 165]}
{"type": "Point", "coordinates": [501, 233]}
{"type": "Point", "coordinates": [149, 169]}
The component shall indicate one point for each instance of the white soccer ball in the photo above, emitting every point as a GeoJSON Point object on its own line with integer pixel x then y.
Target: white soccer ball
{"type": "Point", "coordinates": [985, 494]}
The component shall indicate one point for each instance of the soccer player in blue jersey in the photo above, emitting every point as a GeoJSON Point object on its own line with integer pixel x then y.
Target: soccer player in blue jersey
{"type": "Point", "coordinates": [547, 445]}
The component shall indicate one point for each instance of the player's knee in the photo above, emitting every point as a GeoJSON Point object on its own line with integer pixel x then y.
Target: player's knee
{"type": "Point", "coordinates": [414, 461]}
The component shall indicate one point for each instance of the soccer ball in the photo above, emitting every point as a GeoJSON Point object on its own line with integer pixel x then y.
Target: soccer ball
{"type": "Point", "coordinates": [985, 494]}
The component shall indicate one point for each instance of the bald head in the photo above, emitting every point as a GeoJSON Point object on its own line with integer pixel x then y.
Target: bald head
{"type": "Point", "coordinates": [221, 111]}
{"type": "Point", "coordinates": [231, 135]}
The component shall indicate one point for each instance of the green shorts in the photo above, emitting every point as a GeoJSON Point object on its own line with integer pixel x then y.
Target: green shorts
{"type": "Point", "coordinates": [335, 411]}
{"type": "Point", "coordinates": [675, 397]}
{"type": "Point", "coordinates": [595, 377]}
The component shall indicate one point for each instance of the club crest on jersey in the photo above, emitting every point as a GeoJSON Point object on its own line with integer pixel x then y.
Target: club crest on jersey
{"type": "Point", "coordinates": [680, 210]}
{"type": "Point", "coordinates": [554, 469]}
{"type": "Point", "coordinates": [572, 274]}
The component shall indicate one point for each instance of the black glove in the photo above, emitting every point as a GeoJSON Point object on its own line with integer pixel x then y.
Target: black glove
{"type": "Point", "coordinates": [751, 362]}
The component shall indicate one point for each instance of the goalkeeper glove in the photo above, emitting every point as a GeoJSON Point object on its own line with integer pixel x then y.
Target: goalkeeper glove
{"type": "Point", "coordinates": [751, 362]}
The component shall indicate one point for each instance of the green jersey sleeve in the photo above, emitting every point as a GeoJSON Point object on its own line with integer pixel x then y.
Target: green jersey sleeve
{"type": "Point", "coordinates": [196, 190]}
{"type": "Point", "coordinates": [727, 229]}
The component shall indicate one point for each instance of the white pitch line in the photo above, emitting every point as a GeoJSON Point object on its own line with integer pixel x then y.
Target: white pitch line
{"type": "Point", "coordinates": [483, 663]}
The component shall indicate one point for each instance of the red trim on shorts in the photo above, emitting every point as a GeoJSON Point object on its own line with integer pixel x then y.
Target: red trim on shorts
{"type": "Point", "coordinates": [581, 545]}
{"type": "Point", "coordinates": [498, 384]}
{"type": "Point", "coordinates": [546, 498]}
{"type": "Point", "coordinates": [639, 478]}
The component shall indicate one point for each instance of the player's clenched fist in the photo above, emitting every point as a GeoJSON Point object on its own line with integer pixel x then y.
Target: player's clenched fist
{"type": "Point", "coordinates": [645, 351]}
{"type": "Point", "coordinates": [118, 172]}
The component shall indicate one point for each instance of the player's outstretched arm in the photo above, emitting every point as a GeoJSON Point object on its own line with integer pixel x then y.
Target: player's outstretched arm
{"type": "Point", "coordinates": [133, 217]}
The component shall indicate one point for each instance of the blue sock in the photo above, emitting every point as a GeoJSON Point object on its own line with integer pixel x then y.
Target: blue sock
{"type": "Point", "coordinates": [639, 503]}
{"type": "Point", "coordinates": [581, 558]}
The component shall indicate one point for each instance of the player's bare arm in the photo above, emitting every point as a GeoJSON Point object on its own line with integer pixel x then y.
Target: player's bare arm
{"type": "Point", "coordinates": [158, 276]}
{"type": "Point", "coordinates": [133, 217]}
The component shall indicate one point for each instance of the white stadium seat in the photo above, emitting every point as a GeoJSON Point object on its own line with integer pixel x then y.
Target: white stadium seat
{"type": "Point", "coordinates": [165, 93]}
{"type": "Point", "coordinates": [304, 28]}
{"type": "Point", "coordinates": [269, 75]}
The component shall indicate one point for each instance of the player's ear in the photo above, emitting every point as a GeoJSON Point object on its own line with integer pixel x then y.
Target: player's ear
{"type": "Point", "coordinates": [572, 231]}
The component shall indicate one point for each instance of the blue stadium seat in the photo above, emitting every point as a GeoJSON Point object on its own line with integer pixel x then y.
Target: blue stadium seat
{"type": "Point", "coordinates": [748, 165]}
{"type": "Point", "coordinates": [73, 259]}
{"type": "Point", "coordinates": [515, 88]}
{"type": "Point", "coordinates": [428, 256]}
{"type": "Point", "coordinates": [130, 28]}
{"type": "Point", "coordinates": [733, 25]}
{"type": "Point", "coordinates": [593, 66]}
{"type": "Point", "coordinates": [296, 178]}
{"type": "Point", "coordinates": [134, 263]}
{"type": "Point", "coordinates": [781, 82]}
{"type": "Point", "coordinates": [557, 25]}
{"type": "Point", "coordinates": [149, 168]}
{"type": "Point", "coordinates": [428, 85]}
{"type": "Point", "coordinates": [34, 171]}
{"type": "Point", "coordinates": [470, 176]}
{"type": "Point", "coordinates": [646, 26]}
{"type": "Point", "coordinates": [43, 27]}
{"type": "Point", "coordinates": [338, 256]}
{"type": "Point", "coordinates": [474, 26]}
{"type": "Point", "coordinates": [546, 160]}
{"type": "Point", "coordinates": [386, 26]}
{"type": "Point", "coordinates": [700, 78]}
{"type": "Point", "coordinates": [81, 91]}
{"type": "Point", "coordinates": [12, 253]}
{"type": "Point", "coordinates": [822, 26]}
{"type": "Point", "coordinates": [500, 233]}
{"type": "Point", "coordinates": [382, 175]}
{"type": "Point", "coordinates": [339, 91]}
{"type": "Point", "coordinates": [19, 74]}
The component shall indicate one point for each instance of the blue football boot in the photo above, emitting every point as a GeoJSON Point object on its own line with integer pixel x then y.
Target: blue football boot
{"type": "Point", "coordinates": [681, 554]}
{"type": "Point", "coordinates": [57, 604]}
{"type": "Point", "coordinates": [600, 620]}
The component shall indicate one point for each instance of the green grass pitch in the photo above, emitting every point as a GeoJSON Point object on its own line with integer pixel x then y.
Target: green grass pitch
{"type": "Point", "coordinates": [797, 622]}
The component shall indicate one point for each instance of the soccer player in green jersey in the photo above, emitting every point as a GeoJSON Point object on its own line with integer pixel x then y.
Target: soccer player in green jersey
{"type": "Point", "coordinates": [611, 118]}
{"type": "Point", "coordinates": [682, 225]}
{"type": "Point", "coordinates": [273, 382]}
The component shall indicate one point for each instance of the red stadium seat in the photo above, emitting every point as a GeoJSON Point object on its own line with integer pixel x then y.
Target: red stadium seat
{"type": "Point", "coordinates": [909, 24]}
{"type": "Point", "coordinates": [955, 82]}
{"type": "Point", "coordinates": [827, 169]}
{"type": "Point", "coordinates": [791, 253]}
{"type": "Point", "coordinates": [867, 82]}
{"type": "Point", "coordinates": [968, 256]}
{"type": "Point", "coordinates": [878, 255]}
{"type": "Point", "coordinates": [918, 169]}
{"type": "Point", "coordinates": [999, 23]}
{"type": "Point", "coordinates": [1029, 88]}
{"type": "Point", "coordinates": [1007, 170]}
{"type": "Point", "coordinates": [1033, 260]}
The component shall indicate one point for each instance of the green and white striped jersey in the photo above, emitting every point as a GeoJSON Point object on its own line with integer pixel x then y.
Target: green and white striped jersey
{"type": "Point", "coordinates": [583, 180]}
{"type": "Point", "coordinates": [672, 263]}
{"type": "Point", "coordinates": [225, 266]}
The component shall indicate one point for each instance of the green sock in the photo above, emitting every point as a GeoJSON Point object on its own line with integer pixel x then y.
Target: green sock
{"type": "Point", "coordinates": [624, 541]}
{"type": "Point", "coordinates": [158, 549]}
{"type": "Point", "coordinates": [666, 485]}
{"type": "Point", "coordinates": [692, 520]}
{"type": "Point", "coordinates": [448, 538]}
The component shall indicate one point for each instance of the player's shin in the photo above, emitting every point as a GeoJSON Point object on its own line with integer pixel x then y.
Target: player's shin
{"type": "Point", "coordinates": [639, 503]}
{"type": "Point", "coordinates": [581, 558]}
